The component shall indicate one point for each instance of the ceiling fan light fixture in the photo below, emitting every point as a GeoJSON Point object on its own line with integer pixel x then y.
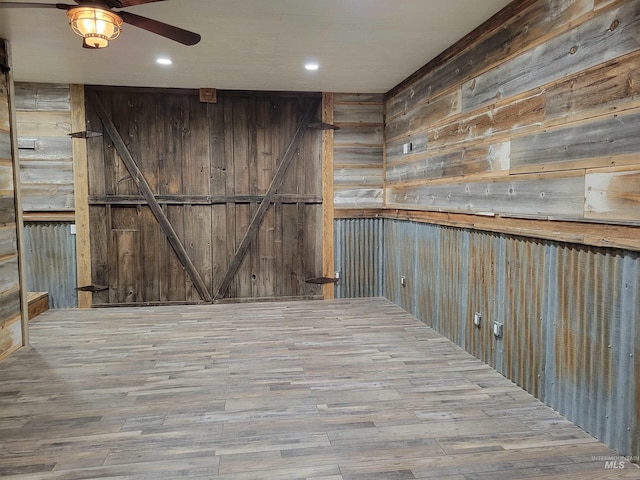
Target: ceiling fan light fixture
{"type": "Point", "coordinates": [95, 25]}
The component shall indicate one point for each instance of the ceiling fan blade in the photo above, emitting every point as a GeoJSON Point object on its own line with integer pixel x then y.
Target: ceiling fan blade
{"type": "Point", "coordinates": [132, 3]}
{"type": "Point", "coordinates": [163, 29]}
{"type": "Point", "coordinates": [120, 3]}
{"type": "Point", "coordinates": [60, 6]}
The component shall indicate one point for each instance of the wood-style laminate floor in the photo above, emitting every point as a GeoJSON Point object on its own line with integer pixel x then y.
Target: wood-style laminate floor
{"type": "Point", "coordinates": [337, 390]}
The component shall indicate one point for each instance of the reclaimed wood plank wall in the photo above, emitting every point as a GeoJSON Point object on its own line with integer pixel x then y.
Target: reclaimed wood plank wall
{"type": "Point", "coordinates": [43, 115]}
{"type": "Point", "coordinates": [537, 118]}
{"type": "Point", "coordinates": [11, 325]}
{"type": "Point", "coordinates": [208, 165]}
{"type": "Point", "coordinates": [358, 150]}
{"type": "Point", "coordinates": [44, 122]}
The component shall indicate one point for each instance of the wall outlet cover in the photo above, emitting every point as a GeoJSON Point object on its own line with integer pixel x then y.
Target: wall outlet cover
{"type": "Point", "coordinates": [497, 330]}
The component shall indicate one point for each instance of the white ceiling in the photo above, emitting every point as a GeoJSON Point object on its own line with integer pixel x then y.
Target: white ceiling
{"type": "Point", "coordinates": [361, 45]}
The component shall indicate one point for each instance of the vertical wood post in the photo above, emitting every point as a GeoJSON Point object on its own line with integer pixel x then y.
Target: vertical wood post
{"type": "Point", "coordinates": [22, 271]}
{"type": "Point", "coordinates": [328, 265]}
{"type": "Point", "coordinates": [81, 195]}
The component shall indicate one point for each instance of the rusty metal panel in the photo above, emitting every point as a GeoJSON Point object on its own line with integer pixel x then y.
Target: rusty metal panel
{"type": "Point", "coordinates": [485, 284]}
{"type": "Point", "coordinates": [51, 262]}
{"type": "Point", "coordinates": [592, 359]}
{"type": "Point", "coordinates": [524, 289]}
{"type": "Point", "coordinates": [359, 250]}
{"type": "Point", "coordinates": [441, 294]}
{"type": "Point", "coordinates": [570, 316]}
{"type": "Point", "coordinates": [400, 266]}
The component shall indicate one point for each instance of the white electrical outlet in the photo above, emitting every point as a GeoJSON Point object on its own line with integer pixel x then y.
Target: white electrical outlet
{"type": "Point", "coordinates": [403, 281]}
{"type": "Point", "coordinates": [477, 319]}
{"type": "Point", "coordinates": [497, 330]}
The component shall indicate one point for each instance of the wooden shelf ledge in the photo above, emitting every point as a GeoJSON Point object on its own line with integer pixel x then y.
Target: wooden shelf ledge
{"type": "Point", "coordinates": [38, 303]}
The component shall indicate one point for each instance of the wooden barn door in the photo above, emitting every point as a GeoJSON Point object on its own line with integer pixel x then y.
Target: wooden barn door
{"type": "Point", "coordinates": [199, 202]}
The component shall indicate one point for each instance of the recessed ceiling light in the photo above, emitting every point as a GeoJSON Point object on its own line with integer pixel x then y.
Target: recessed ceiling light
{"type": "Point", "coordinates": [312, 66]}
{"type": "Point", "coordinates": [164, 61]}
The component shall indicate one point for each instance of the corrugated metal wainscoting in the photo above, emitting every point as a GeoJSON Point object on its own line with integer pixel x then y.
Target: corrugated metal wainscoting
{"type": "Point", "coordinates": [51, 262]}
{"type": "Point", "coordinates": [359, 257]}
{"type": "Point", "coordinates": [570, 315]}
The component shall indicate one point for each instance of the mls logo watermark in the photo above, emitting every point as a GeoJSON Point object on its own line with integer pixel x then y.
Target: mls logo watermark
{"type": "Point", "coordinates": [616, 463]}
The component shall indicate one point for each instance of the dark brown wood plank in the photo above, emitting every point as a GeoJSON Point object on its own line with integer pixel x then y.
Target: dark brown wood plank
{"type": "Point", "coordinates": [140, 181]}
{"type": "Point", "coordinates": [262, 209]}
{"type": "Point", "coordinates": [99, 219]}
{"type": "Point", "coordinates": [242, 278]}
{"type": "Point", "coordinates": [198, 229]}
{"type": "Point", "coordinates": [218, 161]}
{"type": "Point", "coordinates": [202, 199]}
{"type": "Point", "coordinates": [266, 238]}
{"type": "Point", "coordinates": [126, 279]}
{"type": "Point", "coordinates": [150, 258]}
{"type": "Point", "coordinates": [171, 165]}
{"type": "Point", "coordinates": [175, 276]}
{"type": "Point", "coordinates": [219, 257]}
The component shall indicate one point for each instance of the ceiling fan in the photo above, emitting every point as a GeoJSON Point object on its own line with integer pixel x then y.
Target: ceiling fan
{"type": "Point", "coordinates": [97, 23]}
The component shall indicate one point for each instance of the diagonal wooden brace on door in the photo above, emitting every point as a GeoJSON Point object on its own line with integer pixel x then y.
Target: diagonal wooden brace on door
{"type": "Point", "coordinates": [276, 182]}
{"type": "Point", "coordinates": [147, 193]}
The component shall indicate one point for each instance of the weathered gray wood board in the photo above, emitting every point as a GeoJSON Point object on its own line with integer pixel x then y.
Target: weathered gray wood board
{"type": "Point", "coordinates": [208, 166]}
{"type": "Point", "coordinates": [554, 89]}
{"type": "Point", "coordinates": [424, 115]}
{"type": "Point", "coordinates": [46, 159]}
{"type": "Point", "coordinates": [358, 150]}
{"type": "Point", "coordinates": [11, 334]}
{"type": "Point", "coordinates": [507, 41]}
{"type": "Point", "coordinates": [609, 35]}
{"type": "Point", "coordinates": [597, 142]}
{"type": "Point", "coordinates": [526, 196]}
{"type": "Point", "coordinates": [42, 97]}
{"type": "Point", "coordinates": [395, 150]}
{"type": "Point", "coordinates": [611, 87]}
{"type": "Point", "coordinates": [484, 159]}
{"type": "Point", "coordinates": [501, 119]}
{"type": "Point", "coordinates": [358, 197]}
{"type": "Point", "coordinates": [358, 156]}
